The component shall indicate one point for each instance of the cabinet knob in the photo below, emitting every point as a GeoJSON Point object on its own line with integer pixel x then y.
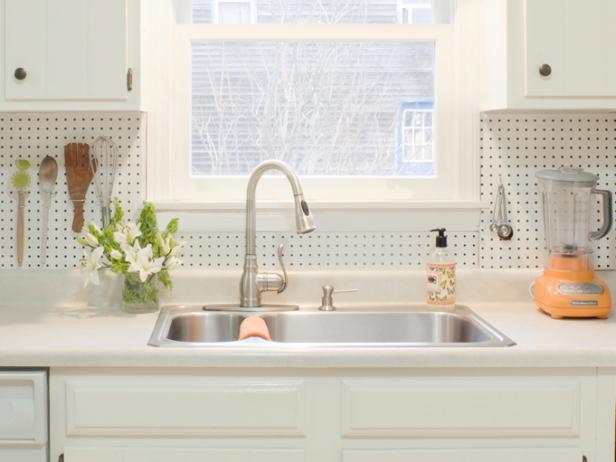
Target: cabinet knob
{"type": "Point", "coordinates": [545, 70]}
{"type": "Point", "coordinates": [20, 73]}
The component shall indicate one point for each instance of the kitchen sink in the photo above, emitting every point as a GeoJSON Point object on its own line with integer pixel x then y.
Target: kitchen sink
{"type": "Point", "coordinates": [412, 326]}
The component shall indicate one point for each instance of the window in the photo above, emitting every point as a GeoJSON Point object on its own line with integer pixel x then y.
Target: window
{"type": "Point", "coordinates": [415, 11]}
{"type": "Point", "coordinates": [415, 142]}
{"type": "Point", "coordinates": [358, 96]}
{"type": "Point", "coordinates": [327, 11]}
{"type": "Point", "coordinates": [228, 12]}
{"type": "Point", "coordinates": [325, 108]}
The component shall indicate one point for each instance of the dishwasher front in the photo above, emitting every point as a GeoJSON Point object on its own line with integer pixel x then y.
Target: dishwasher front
{"type": "Point", "coordinates": [23, 415]}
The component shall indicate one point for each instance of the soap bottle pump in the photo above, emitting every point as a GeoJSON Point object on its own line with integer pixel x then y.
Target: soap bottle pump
{"type": "Point", "coordinates": [441, 269]}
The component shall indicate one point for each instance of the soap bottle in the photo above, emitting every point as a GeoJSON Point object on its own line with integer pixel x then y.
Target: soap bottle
{"type": "Point", "coordinates": [441, 269]}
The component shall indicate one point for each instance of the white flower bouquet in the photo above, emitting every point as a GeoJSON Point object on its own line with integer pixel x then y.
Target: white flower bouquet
{"type": "Point", "coordinates": [139, 251]}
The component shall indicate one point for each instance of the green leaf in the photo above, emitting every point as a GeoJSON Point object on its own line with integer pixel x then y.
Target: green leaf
{"type": "Point", "coordinates": [118, 212]}
{"type": "Point", "coordinates": [108, 235]}
{"type": "Point", "coordinates": [156, 247]}
{"type": "Point", "coordinates": [119, 267]}
{"type": "Point", "coordinates": [165, 279]}
{"type": "Point", "coordinates": [148, 224]}
{"type": "Point", "coordinates": [172, 227]}
{"type": "Point", "coordinates": [92, 229]}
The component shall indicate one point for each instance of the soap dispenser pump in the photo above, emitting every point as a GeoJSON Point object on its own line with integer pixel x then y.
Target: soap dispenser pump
{"type": "Point", "coordinates": [441, 273]}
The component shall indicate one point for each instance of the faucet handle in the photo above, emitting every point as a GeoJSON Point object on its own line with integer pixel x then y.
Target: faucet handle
{"type": "Point", "coordinates": [273, 282]}
{"type": "Point", "coordinates": [280, 254]}
{"type": "Point", "coordinates": [327, 301]}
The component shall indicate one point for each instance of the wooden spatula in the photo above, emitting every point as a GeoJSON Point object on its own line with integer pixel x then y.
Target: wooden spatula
{"type": "Point", "coordinates": [79, 174]}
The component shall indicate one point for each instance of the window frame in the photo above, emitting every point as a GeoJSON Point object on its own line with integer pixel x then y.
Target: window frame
{"type": "Point", "coordinates": [409, 10]}
{"type": "Point", "coordinates": [216, 7]}
{"type": "Point", "coordinates": [321, 188]}
{"type": "Point", "coordinates": [169, 182]}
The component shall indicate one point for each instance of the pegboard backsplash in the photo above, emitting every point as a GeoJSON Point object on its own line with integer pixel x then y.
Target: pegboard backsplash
{"type": "Point", "coordinates": [318, 250]}
{"type": "Point", "coordinates": [512, 146]}
{"type": "Point", "coordinates": [515, 147]}
{"type": "Point", "coordinates": [32, 136]}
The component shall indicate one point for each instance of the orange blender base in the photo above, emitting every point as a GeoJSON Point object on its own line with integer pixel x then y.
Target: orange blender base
{"type": "Point", "coordinates": [565, 291]}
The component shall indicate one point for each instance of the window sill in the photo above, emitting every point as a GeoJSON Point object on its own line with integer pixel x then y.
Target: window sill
{"type": "Point", "coordinates": [420, 216]}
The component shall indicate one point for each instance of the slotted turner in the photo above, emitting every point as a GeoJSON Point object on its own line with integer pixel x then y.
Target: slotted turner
{"type": "Point", "coordinates": [79, 174]}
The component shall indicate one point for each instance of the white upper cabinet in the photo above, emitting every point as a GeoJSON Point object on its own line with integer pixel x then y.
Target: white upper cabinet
{"type": "Point", "coordinates": [574, 39]}
{"type": "Point", "coordinates": [549, 54]}
{"type": "Point", "coordinates": [70, 54]}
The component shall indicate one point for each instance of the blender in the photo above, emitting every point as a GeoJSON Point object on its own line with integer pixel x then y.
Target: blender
{"type": "Point", "coordinates": [568, 287]}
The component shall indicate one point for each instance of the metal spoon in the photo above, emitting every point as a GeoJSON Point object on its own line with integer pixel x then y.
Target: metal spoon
{"type": "Point", "coordinates": [48, 174]}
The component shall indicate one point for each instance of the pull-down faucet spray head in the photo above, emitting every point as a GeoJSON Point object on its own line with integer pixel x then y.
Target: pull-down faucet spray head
{"type": "Point", "coordinates": [304, 222]}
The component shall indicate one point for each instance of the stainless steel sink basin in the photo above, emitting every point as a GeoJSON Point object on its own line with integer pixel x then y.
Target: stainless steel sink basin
{"type": "Point", "coordinates": [379, 327]}
{"type": "Point", "coordinates": [203, 327]}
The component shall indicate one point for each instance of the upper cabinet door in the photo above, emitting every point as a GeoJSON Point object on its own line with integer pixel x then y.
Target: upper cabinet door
{"type": "Point", "coordinates": [65, 50]}
{"type": "Point", "coordinates": [569, 48]}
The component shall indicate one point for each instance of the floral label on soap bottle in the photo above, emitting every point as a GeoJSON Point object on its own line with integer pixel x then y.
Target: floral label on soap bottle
{"type": "Point", "coordinates": [441, 284]}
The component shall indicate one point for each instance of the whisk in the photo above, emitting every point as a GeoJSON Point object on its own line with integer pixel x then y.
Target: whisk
{"type": "Point", "coordinates": [104, 161]}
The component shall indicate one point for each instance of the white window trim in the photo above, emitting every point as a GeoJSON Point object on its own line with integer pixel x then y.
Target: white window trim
{"type": "Point", "coordinates": [194, 203]}
{"type": "Point", "coordinates": [352, 188]}
{"type": "Point", "coordinates": [279, 217]}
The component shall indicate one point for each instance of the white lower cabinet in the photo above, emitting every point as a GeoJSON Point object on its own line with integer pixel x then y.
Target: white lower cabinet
{"type": "Point", "coordinates": [324, 415]}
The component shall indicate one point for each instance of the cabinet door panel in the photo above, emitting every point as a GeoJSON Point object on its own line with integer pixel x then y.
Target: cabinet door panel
{"type": "Point", "coordinates": [464, 407]}
{"type": "Point", "coordinates": [87, 49]}
{"type": "Point", "coordinates": [575, 39]}
{"type": "Point", "coordinates": [71, 49]}
{"type": "Point", "coordinates": [75, 454]}
{"type": "Point", "coordinates": [222, 406]}
{"type": "Point", "coordinates": [25, 35]}
{"type": "Point", "coordinates": [465, 455]}
{"type": "Point", "coordinates": [67, 50]}
{"type": "Point", "coordinates": [107, 60]}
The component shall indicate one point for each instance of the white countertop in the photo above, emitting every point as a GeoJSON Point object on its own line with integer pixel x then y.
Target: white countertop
{"type": "Point", "coordinates": [57, 333]}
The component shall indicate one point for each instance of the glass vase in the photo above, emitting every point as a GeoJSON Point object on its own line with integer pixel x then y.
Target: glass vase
{"type": "Point", "coordinates": [108, 293]}
{"type": "Point", "coordinates": [140, 297]}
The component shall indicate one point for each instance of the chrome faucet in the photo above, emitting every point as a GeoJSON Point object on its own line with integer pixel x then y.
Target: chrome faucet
{"type": "Point", "coordinates": [253, 283]}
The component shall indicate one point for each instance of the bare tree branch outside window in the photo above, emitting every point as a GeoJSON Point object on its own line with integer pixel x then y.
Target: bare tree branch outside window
{"type": "Point", "coordinates": [330, 108]}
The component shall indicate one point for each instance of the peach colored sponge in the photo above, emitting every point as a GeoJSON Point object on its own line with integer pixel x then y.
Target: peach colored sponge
{"type": "Point", "coordinates": [253, 326]}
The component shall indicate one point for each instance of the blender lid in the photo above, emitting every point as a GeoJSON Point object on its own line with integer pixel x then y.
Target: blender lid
{"type": "Point", "coordinates": [568, 175]}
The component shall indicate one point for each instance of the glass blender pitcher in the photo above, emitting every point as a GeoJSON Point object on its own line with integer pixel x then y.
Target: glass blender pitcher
{"type": "Point", "coordinates": [568, 287]}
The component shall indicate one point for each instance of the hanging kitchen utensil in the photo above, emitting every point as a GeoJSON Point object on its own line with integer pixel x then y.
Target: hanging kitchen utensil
{"type": "Point", "coordinates": [79, 174]}
{"type": "Point", "coordinates": [48, 174]}
{"type": "Point", "coordinates": [500, 223]}
{"type": "Point", "coordinates": [105, 162]}
{"type": "Point", "coordinates": [21, 183]}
